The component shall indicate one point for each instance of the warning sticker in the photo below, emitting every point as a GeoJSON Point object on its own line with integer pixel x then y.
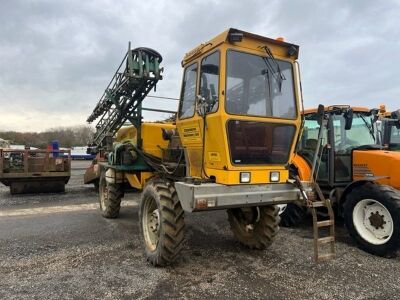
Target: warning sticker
{"type": "Point", "coordinates": [191, 133]}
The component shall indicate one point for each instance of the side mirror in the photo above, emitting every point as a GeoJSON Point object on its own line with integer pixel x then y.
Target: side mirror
{"type": "Point", "coordinates": [348, 116]}
{"type": "Point", "coordinates": [375, 114]}
{"type": "Point", "coordinates": [320, 114]}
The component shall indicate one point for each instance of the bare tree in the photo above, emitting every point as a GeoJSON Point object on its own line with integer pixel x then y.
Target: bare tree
{"type": "Point", "coordinates": [67, 136]}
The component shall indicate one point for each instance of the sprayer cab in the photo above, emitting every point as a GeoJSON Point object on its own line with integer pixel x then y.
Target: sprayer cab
{"type": "Point", "coordinates": [239, 114]}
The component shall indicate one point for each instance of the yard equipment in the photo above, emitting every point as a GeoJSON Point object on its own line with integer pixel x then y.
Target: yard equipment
{"type": "Point", "coordinates": [4, 144]}
{"type": "Point", "coordinates": [235, 132]}
{"type": "Point", "coordinates": [358, 175]}
{"type": "Point", "coordinates": [35, 171]}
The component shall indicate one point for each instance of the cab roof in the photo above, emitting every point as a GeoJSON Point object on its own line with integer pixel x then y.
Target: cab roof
{"type": "Point", "coordinates": [224, 37]}
{"type": "Point", "coordinates": [330, 108]}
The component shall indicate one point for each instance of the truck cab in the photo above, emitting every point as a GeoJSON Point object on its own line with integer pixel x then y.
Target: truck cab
{"type": "Point", "coordinates": [239, 114]}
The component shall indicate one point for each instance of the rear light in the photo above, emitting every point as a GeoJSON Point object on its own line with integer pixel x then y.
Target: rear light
{"type": "Point", "coordinates": [205, 203]}
{"type": "Point", "coordinates": [235, 37]}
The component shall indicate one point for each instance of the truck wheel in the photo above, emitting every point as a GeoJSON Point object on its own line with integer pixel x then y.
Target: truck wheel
{"type": "Point", "coordinates": [110, 195]}
{"type": "Point", "coordinates": [162, 222]}
{"type": "Point", "coordinates": [372, 217]}
{"type": "Point", "coordinates": [255, 227]}
{"type": "Point", "coordinates": [291, 214]}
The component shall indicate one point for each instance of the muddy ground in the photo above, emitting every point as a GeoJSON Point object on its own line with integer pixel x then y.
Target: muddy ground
{"type": "Point", "coordinates": [59, 247]}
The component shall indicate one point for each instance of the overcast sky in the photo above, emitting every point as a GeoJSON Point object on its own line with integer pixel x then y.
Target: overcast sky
{"type": "Point", "coordinates": [56, 57]}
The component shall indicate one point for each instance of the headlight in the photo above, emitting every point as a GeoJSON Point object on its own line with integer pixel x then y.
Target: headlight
{"type": "Point", "coordinates": [245, 177]}
{"type": "Point", "coordinates": [274, 176]}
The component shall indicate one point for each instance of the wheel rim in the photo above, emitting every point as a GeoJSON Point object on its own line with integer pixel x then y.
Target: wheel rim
{"type": "Point", "coordinates": [373, 221]}
{"type": "Point", "coordinates": [151, 223]}
{"type": "Point", "coordinates": [248, 218]}
{"type": "Point", "coordinates": [282, 208]}
{"type": "Point", "coordinates": [103, 196]}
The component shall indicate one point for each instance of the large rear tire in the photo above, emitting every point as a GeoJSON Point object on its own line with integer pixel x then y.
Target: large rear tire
{"type": "Point", "coordinates": [110, 195]}
{"type": "Point", "coordinates": [292, 214]}
{"type": "Point", "coordinates": [255, 227]}
{"type": "Point", "coordinates": [372, 217]}
{"type": "Point", "coordinates": [162, 222]}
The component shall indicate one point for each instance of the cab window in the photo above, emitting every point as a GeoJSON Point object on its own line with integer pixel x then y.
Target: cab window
{"type": "Point", "coordinates": [359, 134]}
{"type": "Point", "coordinates": [308, 145]}
{"type": "Point", "coordinates": [259, 86]}
{"type": "Point", "coordinates": [209, 81]}
{"type": "Point", "coordinates": [188, 95]}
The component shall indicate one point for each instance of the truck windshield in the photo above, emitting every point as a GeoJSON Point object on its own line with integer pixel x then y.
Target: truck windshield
{"type": "Point", "coordinates": [254, 88]}
{"type": "Point", "coordinates": [360, 133]}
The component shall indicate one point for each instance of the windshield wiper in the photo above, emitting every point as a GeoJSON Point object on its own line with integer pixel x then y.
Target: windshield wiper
{"type": "Point", "coordinates": [370, 127]}
{"type": "Point", "coordinates": [280, 77]}
{"type": "Point", "coordinates": [269, 100]}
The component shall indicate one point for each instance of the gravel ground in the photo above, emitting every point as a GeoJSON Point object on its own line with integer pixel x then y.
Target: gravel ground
{"type": "Point", "coordinates": [58, 246]}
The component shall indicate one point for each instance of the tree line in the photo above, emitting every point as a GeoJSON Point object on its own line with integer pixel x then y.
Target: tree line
{"type": "Point", "coordinates": [67, 137]}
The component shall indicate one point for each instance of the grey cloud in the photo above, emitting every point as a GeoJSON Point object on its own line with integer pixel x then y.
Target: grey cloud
{"type": "Point", "coordinates": [58, 56]}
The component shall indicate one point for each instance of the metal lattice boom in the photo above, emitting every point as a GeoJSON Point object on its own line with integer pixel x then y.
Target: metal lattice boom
{"type": "Point", "coordinates": [136, 76]}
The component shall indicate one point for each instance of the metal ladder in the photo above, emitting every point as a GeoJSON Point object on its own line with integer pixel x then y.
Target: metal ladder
{"type": "Point", "coordinates": [324, 247]}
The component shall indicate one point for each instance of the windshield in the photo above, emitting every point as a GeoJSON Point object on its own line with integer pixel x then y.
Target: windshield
{"type": "Point", "coordinates": [360, 134]}
{"type": "Point", "coordinates": [255, 88]}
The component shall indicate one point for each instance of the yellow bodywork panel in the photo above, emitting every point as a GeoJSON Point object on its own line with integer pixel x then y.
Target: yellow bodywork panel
{"type": "Point", "coordinates": [127, 134]}
{"type": "Point", "coordinates": [152, 143]}
{"type": "Point", "coordinates": [217, 162]}
{"type": "Point", "coordinates": [251, 41]}
{"type": "Point", "coordinates": [257, 176]}
{"type": "Point", "coordinates": [377, 163]}
{"type": "Point", "coordinates": [138, 179]}
{"type": "Point", "coordinates": [152, 140]}
{"type": "Point", "coordinates": [152, 137]}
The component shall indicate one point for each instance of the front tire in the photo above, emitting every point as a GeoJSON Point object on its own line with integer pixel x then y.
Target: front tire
{"type": "Point", "coordinates": [292, 214]}
{"type": "Point", "coordinates": [162, 222]}
{"type": "Point", "coordinates": [255, 227]}
{"type": "Point", "coordinates": [110, 195]}
{"type": "Point", "coordinates": [372, 217]}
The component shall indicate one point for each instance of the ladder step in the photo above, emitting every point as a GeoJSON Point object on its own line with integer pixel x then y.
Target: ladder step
{"type": "Point", "coordinates": [325, 223]}
{"type": "Point", "coordinates": [326, 257]}
{"type": "Point", "coordinates": [318, 204]}
{"type": "Point", "coordinates": [325, 240]}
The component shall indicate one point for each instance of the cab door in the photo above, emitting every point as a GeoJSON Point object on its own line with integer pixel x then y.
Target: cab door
{"type": "Point", "coordinates": [200, 89]}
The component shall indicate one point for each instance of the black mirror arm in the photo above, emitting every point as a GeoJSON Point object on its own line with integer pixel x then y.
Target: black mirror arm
{"type": "Point", "coordinates": [348, 119]}
{"type": "Point", "coordinates": [320, 114]}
